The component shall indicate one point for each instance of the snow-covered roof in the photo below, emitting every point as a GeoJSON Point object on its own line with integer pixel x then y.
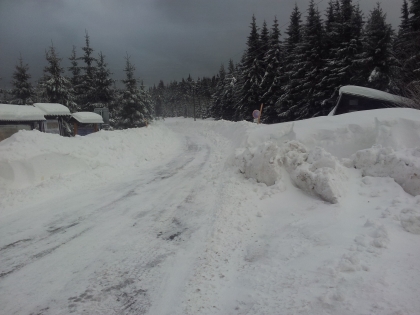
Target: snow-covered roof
{"type": "Point", "coordinates": [88, 118]}
{"type": "Point", "coordinates": [9, 112]}
{"type": "Point", "coordinates": [53, 109]}
{"type": "Point", "coordinates": [374, 94]}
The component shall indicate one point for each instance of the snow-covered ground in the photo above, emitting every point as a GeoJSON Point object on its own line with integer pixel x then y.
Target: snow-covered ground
{"type": "Point", "coordinates": [200, 217]}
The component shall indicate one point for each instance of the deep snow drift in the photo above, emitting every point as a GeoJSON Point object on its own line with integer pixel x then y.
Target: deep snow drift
{"type": "Point", "coordinates": [320, 216]}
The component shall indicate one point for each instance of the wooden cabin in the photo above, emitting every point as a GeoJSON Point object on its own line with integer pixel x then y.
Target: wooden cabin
{"type": "Point", "coordinates": [19, 117]}
{"type": "Point", "coordinates": [57, 118]}
{"type": "Point", "coordinates": [85, 123]}
{"type": "Point", "coordinates": [356, 98]}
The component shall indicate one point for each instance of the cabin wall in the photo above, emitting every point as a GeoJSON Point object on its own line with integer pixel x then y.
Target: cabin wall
{"type": "Point", "coordinates": [348, 103]}
{"type": "Point", "coordinates": [9, 128]}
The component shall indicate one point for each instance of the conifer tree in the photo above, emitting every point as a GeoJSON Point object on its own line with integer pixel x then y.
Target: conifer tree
{"type": "Point", "coordinates": [402, 40]}
{"type": "Point", "coordinates": [343, 69]}
{"type": "Point", "coordinates": [332, 43]}
{"type": "Point", "coordinates": [133, 108]}
{"type": "Point", "coordinates": [88, 93]}
{"type": "Point", "coordinates": [228, 107]}
{"type": "Point", "coordinates": [22, 91]}
{"type": "Point", "coordinates": [271, 82]}
{"type": "Point", "coordinates": [264, 46]}
{"type": "Point", "coordinates": [251, 76]}
{"type": "Point", "coordinates": [76, 78]}
{"type": "Point", "coordinates": [376, 60]}
{"type": "Point", "coordinates": [413, 63]}
{"type": "Point", "coordinates": [103, 86]}
{"type": "Point", "coordinates": [56, 88]}
{"type": "Point", "coordinates": [288, 78]}
{"type": "Point", "coordinates": [216, 110]}
{"type": "Point", "coordinates": [308, 67]}
{"type": "Point", "coordinates": [159, 95]}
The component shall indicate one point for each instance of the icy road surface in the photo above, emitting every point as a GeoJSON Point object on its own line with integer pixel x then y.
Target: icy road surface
{"type": "Point", "coordinates": [182, 231]}
{"type": "Point", "coordinates": [122, 248]}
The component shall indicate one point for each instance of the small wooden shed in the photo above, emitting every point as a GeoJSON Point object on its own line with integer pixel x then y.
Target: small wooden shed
{"type": "Point", "coordinates": [57, 118]}
{"type": "Point", "coordinates": [356, 98]}
{"type": "Point", "coordinates": [19, 117]}
{"type": "Point", "coordinates": [85, 123]}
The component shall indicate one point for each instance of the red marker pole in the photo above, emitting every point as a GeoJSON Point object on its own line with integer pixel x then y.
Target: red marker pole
{"type": "Point", "coordinates": [259, 117]}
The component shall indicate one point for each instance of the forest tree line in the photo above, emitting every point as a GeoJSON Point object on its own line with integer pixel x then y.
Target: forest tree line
{"type": "Point", "coordinates": [299, 76]}
{"type": "Point", "coordinates": [295, 78]}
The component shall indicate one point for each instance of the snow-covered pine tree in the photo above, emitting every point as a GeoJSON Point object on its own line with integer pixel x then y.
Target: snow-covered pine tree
{"type": "Point", "coordinates": [343, 68]}
{"type": "Point", "coordinates": [289, 79]}
{"type": "Point", "coordinates": [332, 41]}
{"type": "Point", "coordinates": [104, 92]}
{"type": "Point", "coordinates": [264, 46]}
{"type": "Point", "coordinates": [22, 91]}
{"type": "Point", "coordinates": [271, 82]}
{"type": "Point", "coordinates": [133, 109]}
{"type": "Point", "coordinates": [251, 76]}
{"type": "Point", "coordinates": [76, 78]}
{"type": "Point", "coordinates": [159, 94]}
{"type": "Point", "coordinates": [56, 88]}
{"type": "Point", "coordinates": [216, 109]}
{"type": "Point", "coordinates": [413, 62]}
{"type": "Point", "coordinates": [377, 58]}
{"type": "Point", "coordinates": [307, 70]}
{"type": "Point", "coordinates": [206, 92]}
{"type": "Point", "coordinates": [403, 36]}
{"type": "Point", "coordinates": [228, 108]}
{"type": "Point", "coordinates": [149, 108]}
{"type": "Point", "coordinates": [88, 88]}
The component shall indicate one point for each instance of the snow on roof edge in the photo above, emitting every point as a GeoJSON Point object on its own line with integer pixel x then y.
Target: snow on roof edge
{"type": "Point", "coordinates": [12, 112]}
{"type": "Point", "coordinates": [374, 94]}
{"type": "Point", "coordinates": [53, 109]}
{"type": "Point", "coordinates": [88, 118]}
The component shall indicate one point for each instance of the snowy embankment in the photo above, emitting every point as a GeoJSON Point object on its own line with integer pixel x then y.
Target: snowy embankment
{"type": "Point", "coordinates": [31, 159]}
{"type": "Point", "coordinates": [315, 153]}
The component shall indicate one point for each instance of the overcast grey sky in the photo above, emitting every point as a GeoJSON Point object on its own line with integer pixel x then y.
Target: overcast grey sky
{"type": "Point", "coordinates": [166, 39]}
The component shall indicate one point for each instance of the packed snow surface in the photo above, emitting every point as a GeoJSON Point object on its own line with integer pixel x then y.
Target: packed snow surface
{"type": "Point", "coordinates": [320, 216]}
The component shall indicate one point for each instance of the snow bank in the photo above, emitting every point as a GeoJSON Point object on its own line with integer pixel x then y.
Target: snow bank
{"type": "Point", "coordinates": [314, 171]}
{"type": "Point", "coordinates": [30, 157]}
{"type": "Point", "coordinates": [313, 152]}
{"type": "Point", "coordinates": [402, 165]}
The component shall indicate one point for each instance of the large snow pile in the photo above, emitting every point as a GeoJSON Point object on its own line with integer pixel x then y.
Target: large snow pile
{"type": "Point", "coordinates": [314, 152]}
{"type": "Point", "coordinates": [31, 157]}
{"type": "Point", "coordinates": [315, 171]}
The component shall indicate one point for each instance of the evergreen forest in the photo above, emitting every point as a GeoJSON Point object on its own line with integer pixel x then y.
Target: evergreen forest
{"type": "Point", "coordinates": [295, 70]}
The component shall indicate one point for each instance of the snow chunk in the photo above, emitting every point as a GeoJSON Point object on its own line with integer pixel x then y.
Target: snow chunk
{"type": "Point", "coordinates": [402, 165]}
{"type": "Point", "coordinates": [262, 163]}
{"type": "Point", "coordinates": [410, 220]}
{"type": "Point", "coordinates": [315, 171]}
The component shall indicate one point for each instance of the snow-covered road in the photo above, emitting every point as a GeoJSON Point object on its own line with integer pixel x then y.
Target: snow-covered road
{"type": "Point", "coordinates": [123, 247]}
{"type": "Point", "coordinates": [209, 217]}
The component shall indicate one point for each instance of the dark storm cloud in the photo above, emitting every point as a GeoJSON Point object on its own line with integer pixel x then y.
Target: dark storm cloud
{"type": "Point", "coordinates": [166, 39]}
